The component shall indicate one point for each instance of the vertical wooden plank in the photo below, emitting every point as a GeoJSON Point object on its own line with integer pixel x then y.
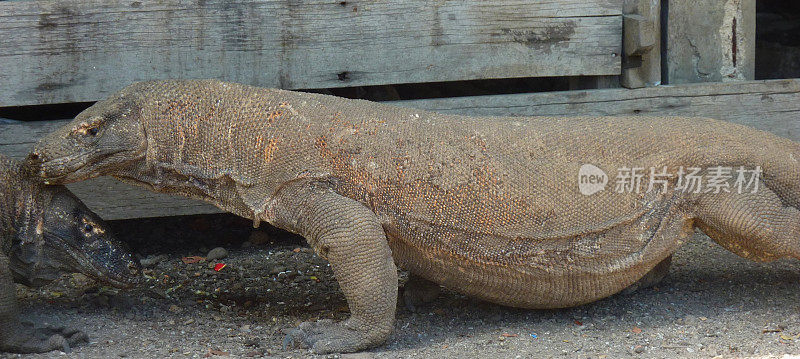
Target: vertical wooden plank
{"type": "Point", "coordinates": [641, 59]}
{"type": "Point", "coordinates": [710, 40]}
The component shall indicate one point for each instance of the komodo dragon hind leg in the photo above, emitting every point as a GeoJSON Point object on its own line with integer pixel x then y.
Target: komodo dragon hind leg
{"type": "Point", "coordinates": [352, 239]}
{"type": "Point", "coordinates": [19, 337]}
{"type": "Point", "coordinates": [757, 226]}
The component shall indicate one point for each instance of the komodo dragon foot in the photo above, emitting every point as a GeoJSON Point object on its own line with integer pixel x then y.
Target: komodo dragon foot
{"type": "Point", "coordinates": [327, 336]}
{"type": "Point", "coordinates": [26, 338]}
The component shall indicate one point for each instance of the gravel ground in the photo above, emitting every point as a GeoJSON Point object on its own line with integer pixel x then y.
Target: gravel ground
{"type": "Point", "coordinates": [713, 303]}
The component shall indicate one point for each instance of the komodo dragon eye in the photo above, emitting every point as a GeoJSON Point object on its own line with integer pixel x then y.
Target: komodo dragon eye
{"type": "Point", "coordinates": [89, 131]}
{"type": "Point", "coordinates": [90, 128]}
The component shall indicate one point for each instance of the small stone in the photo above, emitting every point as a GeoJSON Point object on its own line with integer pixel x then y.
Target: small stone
{"type": "Point", "coordinates": [276, 270]}
{"type": "Point", "coordinates": [252, 342]}
{"type": "Point", "coordinates": [190, 321]}
{"type": "Point", "coordinates": [152, 260]}
{"type": "Point", "coordinates": [638, 349]}
{"type": "Point", "coordinates": [174, 308]}
{"type": "Point", "coordinates": [217, 253]}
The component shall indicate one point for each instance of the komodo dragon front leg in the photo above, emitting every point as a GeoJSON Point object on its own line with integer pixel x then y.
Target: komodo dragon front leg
{"type": "Point", "coordinates": [352, 239]}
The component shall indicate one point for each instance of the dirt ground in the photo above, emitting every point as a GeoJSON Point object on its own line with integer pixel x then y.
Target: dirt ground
{"type": "Point", "coordinates": [713, 303]}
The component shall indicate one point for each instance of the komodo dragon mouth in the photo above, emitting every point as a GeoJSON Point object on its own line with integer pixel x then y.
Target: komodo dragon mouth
{"type": "Point", "coordinates": [72, 168]}
{"type": "Point", "coordinates": [58, 168]}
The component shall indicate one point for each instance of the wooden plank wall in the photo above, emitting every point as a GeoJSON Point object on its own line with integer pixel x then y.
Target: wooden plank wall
{"type": "Point", "coordinates": [81, 50]}
{"type": "Point", "coordinates": [768, 105]}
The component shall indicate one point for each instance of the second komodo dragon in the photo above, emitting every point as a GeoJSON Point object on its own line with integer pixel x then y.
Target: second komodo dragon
{"type": "Point", "coordinates": [44, 232]}
{"type": "Point", "coordinates": [490, 207]}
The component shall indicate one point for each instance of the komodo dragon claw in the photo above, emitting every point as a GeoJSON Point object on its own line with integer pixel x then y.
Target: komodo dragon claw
{"type": "Point", "coordinates": [325, 336]}
{"type": "Point", "coordinates": [29, 339]}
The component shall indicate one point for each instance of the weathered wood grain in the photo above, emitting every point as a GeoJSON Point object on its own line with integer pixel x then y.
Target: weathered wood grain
{"type": "Point", "coordinates": [768, 105]}
{"type": "Point", "coordinates": [82, 50]}
{"type": "Point", "coordinates": [710, 40]}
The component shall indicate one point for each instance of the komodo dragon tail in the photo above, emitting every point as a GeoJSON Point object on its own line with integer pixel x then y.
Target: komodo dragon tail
{"type": "Point", "coordinates": [762, 224]}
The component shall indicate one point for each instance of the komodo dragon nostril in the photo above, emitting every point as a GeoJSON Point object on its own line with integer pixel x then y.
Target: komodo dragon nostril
{"type": "Point", "coordinates": [35, 159]}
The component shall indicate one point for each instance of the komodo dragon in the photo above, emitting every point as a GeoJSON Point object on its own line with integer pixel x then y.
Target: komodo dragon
{"type": "Point", "coordinates": [44, 231]}
{"type": "Point", "coordinates": [490, 207]}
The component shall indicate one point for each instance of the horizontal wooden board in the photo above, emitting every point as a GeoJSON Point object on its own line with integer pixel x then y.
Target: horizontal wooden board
{"type": "Point", "coordinates": [772, 105]}
{"type": "Point", "coordinates": [768, 105]}
{"type": "Point", "coordinates": [82, 50]}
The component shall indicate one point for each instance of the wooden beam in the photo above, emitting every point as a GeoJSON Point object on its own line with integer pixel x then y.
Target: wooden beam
{"type": "Point", "coordinates": [641, 43]}
{"type": "Point", "coordinates": [768, 105]}
{"type": "Point", "coordinates": [82, 50]}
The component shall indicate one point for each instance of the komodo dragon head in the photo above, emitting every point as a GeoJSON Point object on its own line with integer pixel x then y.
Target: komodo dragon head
{"type": "Point", "coordinates": [49, 231]}
{"type": "Point", "coordinates": [106, 136]}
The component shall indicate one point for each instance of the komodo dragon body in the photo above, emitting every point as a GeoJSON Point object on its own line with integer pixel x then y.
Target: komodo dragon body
{"type": "Point", "coordinates": [46, 231]}
{"type": "Point", "coordinates": [490, 207]}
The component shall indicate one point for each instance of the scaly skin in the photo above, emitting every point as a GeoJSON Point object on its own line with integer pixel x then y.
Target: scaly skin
{"type": "Point", "coordinates": [486, 206]}
{"type": "Point", "coordinates": [46, 231]}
